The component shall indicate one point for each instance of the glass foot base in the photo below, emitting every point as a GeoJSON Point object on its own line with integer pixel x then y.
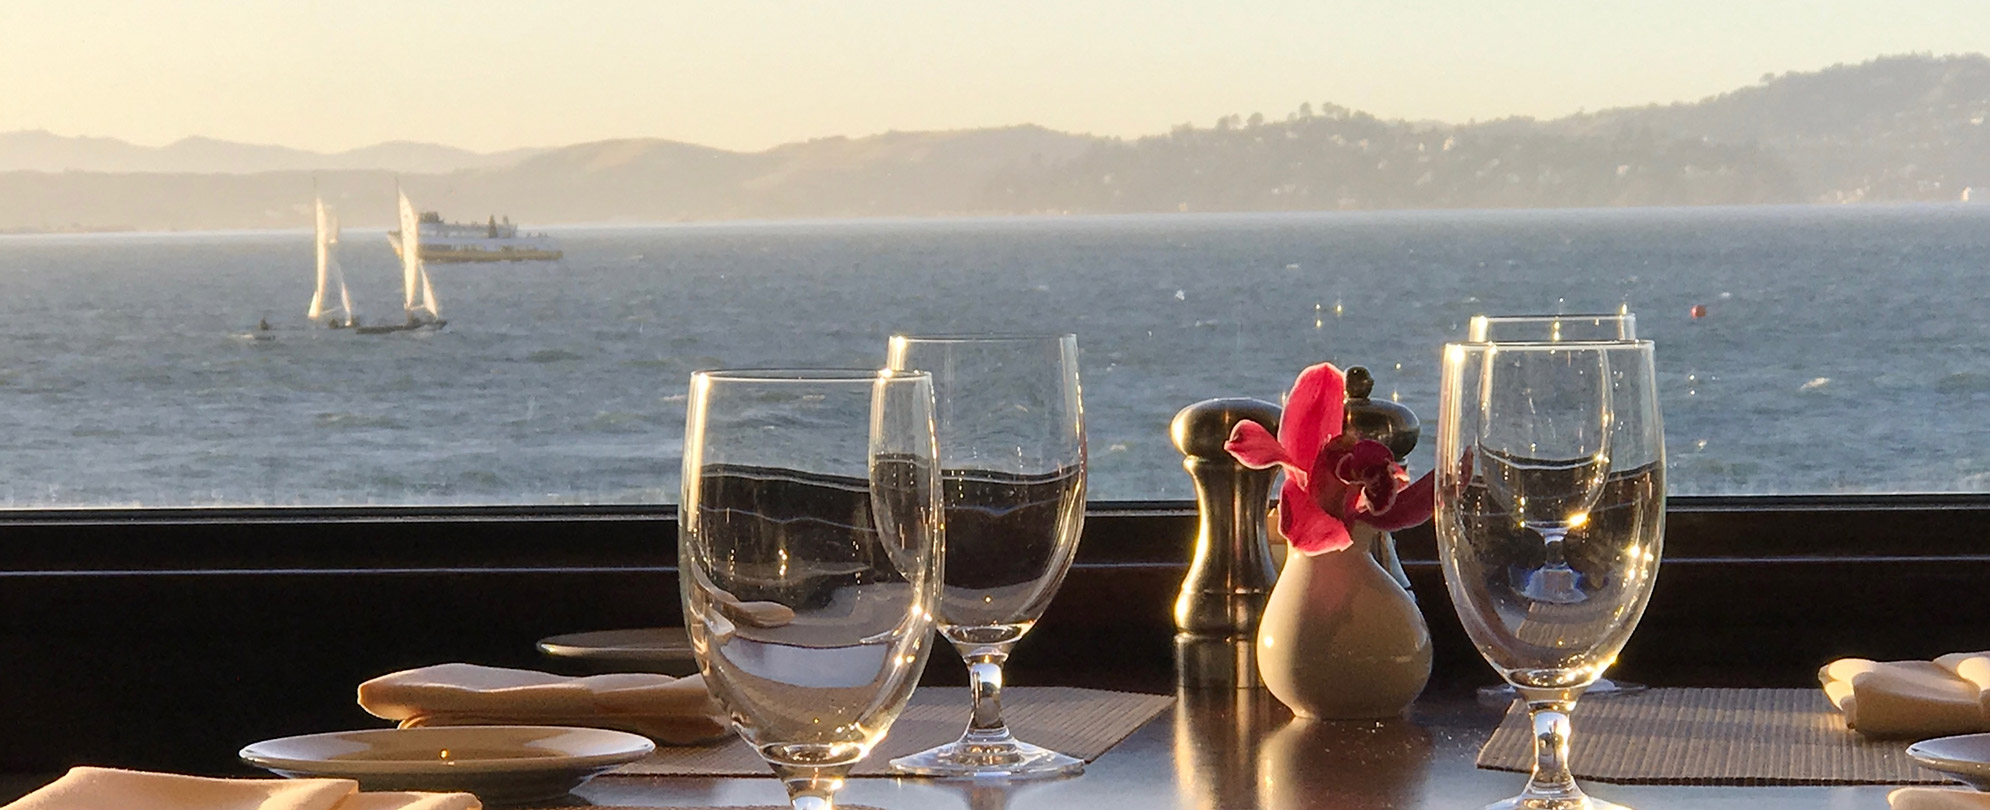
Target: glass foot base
{"type": "Point", "coordinates": [1540, 803]}
{"type": "Point", "coordinates": [1503, 693]}
{"type": "Point", "coordinates": [1009, 760]}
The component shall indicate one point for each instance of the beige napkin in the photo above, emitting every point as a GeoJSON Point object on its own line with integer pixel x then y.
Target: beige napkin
{"type": "Point", "coordinates": [1937, 799]}
{"type": "Point", "coordinates": [85, 788]}
{"type": "Point", "coordinates": [669, 710]}
{"type": "Point", "coordinates": [1921, 699]}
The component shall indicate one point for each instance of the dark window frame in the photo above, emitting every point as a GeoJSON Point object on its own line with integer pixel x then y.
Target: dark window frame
{"type": "Point", "coordinates": [1117, 533]}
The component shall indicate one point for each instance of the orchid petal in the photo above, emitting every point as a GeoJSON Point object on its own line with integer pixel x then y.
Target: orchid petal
{"type": "Point", "coordinates": [1313, 411]}
{"type": "Point", "coordinates": [1350, 503]}
{"type": "Point", "coordinates": [1361, 460]}
{"type": "Point", "coordinates": [1326, 489]}
{"type": "Point", "coordinates": [1413, 505]}
{"type": "Point", "coordinates": [1306, 526]}
{"type": "Point", "coordinates": [1253, 446]}
{"type": "Point", "coordinates": [1379, 491]}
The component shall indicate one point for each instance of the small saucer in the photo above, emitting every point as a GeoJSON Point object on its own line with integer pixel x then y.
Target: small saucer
{"type": "Point", "coordinates": [665, 650]}
{"type": "Point", "coordinates": [501, 764]}
{"type": "Point", "coordinates": [1965, 757]}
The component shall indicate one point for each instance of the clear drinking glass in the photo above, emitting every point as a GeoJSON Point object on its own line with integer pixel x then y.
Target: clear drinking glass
{"type": "Point", "coordinates": [1620, 325]}
{"type": "Point", "coordinates": [1550, 518]}
{"type": "Point", "coordinates": [809, 548]}
{"type": "Point", "coordinates": [1012, 458]}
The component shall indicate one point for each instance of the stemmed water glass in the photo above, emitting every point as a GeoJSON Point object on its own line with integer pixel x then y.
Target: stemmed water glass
{"type": "Point", "coordinates": [1619, 325]}
{"type": "Point", "coordinates": [1550, 518]}
{"type": "Point", "coordinates": [809, 548]}
{"type": "Point", "coordinates": [1012, 456]}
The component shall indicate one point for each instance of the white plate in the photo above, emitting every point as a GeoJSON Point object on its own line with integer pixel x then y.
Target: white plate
{"type": "Point", "coordinates": [1966, 757]}
{"type": "Point", "coordinates": [501, 764]}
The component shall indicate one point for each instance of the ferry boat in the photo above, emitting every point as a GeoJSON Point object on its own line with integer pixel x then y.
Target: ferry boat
{"type": "Point", "coordinates": [494, 241]}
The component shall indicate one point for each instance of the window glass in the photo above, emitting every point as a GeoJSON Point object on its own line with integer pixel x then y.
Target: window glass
{"type": "Point", "coordinates": [1796, 207]}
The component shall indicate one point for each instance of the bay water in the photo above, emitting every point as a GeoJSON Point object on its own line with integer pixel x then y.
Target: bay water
{"type": "Point", "coordinates": [1841, 350]}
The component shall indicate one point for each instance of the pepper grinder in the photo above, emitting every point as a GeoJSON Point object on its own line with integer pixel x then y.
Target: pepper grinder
{"type": "Point", "coordinates": [1396, 427]}
{"type": "Point", "coordinates": [1224, 593]}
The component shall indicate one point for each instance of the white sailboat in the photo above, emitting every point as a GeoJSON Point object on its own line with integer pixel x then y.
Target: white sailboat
{"type": "Point", "coordinates": [417, 294]}
{"type": "Point", "coordinates": [331, 278]}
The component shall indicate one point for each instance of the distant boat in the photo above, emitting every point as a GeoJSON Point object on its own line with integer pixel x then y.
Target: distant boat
{"type": "Point", "coordinates": [417, 294]}
{"type": "Point", "coordinates": [337, 314]}
{"type": "Point", "coordinates": [493, 241]}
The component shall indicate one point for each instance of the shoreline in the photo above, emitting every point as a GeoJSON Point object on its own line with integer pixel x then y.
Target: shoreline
{"type": "Point", "coordinates": [127, 232]}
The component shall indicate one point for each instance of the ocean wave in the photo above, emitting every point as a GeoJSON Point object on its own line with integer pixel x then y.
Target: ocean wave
{"type": "Point", "coordinates": [1964, 382]}
{"type": "Point", "coordinates": [552, 356]}
{"type": "Point", "coordinates": [620, 422]}
{"type": "Point", "coordinates": [346, 420]}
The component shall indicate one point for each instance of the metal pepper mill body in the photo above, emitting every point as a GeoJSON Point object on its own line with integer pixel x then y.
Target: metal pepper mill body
{"type": "Point", "coordinates": [1230, 577]}
{"type": "Point", "coordinates": [1397, 428]}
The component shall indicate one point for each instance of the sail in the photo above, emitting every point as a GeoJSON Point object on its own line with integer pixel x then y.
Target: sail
{"type": "Point", "coordinates": [317, 309]}
{"type": "Point", "coordinates": [346, 315]}
{"type": "Point", "coordinates": [428, 296]}
{"type": "Point", "coordinates": [330, 277]}
{"type": "Point", "coordinates": [411, 268]}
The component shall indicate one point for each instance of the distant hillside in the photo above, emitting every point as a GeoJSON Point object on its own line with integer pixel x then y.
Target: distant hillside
{"type": "Point", "coordinates": [1907, 128]}
{"type": "Point", "coordinates": [895, 174]}
{"type": "Point", "coordinates": [43, 151]}
{"type": "Point", "coordinates": [1896, 128]}
{"type": "Point", "coordinates": [1343, 160]}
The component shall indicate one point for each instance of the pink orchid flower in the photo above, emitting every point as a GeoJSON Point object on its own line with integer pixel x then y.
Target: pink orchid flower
{"type": "Point", "coordinates": [1332, 479]}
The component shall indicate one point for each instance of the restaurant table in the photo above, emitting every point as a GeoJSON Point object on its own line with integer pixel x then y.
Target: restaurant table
{"type": "Point", "coordinates": [1240, 749]}
{"type": "Point", "coordinates": [1227, 750]}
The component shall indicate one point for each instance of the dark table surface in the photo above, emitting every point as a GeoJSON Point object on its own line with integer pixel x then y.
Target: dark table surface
{"type": "Point", "coordinates": [1231, 750]}
{"type": "Point", "coordinates": [1240, 749]}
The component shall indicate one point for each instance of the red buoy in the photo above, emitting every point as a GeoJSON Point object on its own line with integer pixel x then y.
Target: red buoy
{"type": "Point", "coordinates": [1699, 311]}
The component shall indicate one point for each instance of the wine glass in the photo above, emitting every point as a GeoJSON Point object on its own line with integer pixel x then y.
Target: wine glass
{"type": "Point", "coordinates": [1550, 518]}
{"type": "Point", "coordinates": [809, 549]}
{"type": "Point", "coordinates": [1620, 325]}
{"type": "Point", "coordinates": [1012, 458]}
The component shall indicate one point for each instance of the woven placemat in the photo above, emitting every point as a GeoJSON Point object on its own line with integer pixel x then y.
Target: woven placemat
{"type": "Point", "coordinates": [1080, 722]}
{"type": "Point", "coordinates": [1713, 737]}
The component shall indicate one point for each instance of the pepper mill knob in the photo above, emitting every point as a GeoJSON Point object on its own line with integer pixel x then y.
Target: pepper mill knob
{"type": "Point", "coordinates": [1223, 595]}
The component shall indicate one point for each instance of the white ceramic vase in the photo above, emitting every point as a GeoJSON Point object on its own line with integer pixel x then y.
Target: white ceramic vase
{"type": "Point", "coordinates": [1341, 639]}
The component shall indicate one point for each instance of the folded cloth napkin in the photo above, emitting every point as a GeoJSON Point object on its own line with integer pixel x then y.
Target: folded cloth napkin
{"type": "Point", "coordinates": [86, 788]}
{"type": "Point", "coordinates": [1937, 799]}
{"type": "Point", "coordinates": [676, 711]}
{"type": "Point", "coordinates": [1921, 699]}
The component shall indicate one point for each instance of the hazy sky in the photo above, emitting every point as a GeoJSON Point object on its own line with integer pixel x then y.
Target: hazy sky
{"type": "Point", "coordinates": [746, 74]}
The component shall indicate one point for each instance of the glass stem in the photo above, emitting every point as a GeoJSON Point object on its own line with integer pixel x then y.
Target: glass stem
{"type": "Point", "coordinates": [1552, 538]}
{"type": "Point", "coordinates": [811, 788]}
{"type": "Point", "coordinates": [1551, 778]}
{"type": "Point", "coordinates": [984, 673]}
